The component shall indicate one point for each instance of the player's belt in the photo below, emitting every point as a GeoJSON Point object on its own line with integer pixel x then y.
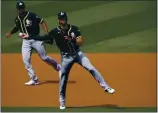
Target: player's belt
{"type": "Point", "coordinates": [64, 53]}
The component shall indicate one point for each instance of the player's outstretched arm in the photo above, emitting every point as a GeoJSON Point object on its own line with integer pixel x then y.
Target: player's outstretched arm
{"type": "Point", "coordinates": [14, 30]}
{"type": "Point", "coordinates": [40, 38]}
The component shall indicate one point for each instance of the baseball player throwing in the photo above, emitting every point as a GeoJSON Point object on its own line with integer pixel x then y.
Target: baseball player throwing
{"type": "Point", "coordinates": [68, 39]}
{"type": "Point", "coordinates": [28, 23]}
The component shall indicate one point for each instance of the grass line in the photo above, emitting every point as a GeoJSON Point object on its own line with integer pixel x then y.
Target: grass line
{"type": "Point", "coordinates": [79, 109]}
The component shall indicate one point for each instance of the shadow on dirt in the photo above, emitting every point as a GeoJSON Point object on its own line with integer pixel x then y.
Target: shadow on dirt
{"type": "Point", "coordinates": [112, 106]}
{"type": "Point", "coordinates": [54, 82]}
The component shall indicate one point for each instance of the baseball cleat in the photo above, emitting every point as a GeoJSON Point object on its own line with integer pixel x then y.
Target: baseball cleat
{"type": "Point", "coordinates": [62, 107]}
{"type": "Point", "coordinates": [32, 82]}
{"type": "Point", "coordinates": [110, 90]}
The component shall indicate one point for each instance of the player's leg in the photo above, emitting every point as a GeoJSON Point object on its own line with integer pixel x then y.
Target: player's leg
{"type": "Point", "coordinates": [26, 54]}
{"type": "Point", "coordinates": [84, 61]}
{"type": "Point", "coordinates": [39, 47]}
{"type": "Point", "coordinates": [66, 64]}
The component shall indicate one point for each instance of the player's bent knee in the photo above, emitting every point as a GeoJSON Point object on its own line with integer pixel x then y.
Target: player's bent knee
{"type": "Point", "coordinates": [92, 71]}
{"type": "Point", "coordinates": [91, 68]}
{"type": "Point", "coordinates": [44, 57]}
{"type": "Point", "coordinates": [63, 71]}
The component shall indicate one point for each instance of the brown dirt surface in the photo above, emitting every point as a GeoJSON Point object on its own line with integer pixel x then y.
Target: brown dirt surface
{"type": "Point", "coordinates": [133, 76]}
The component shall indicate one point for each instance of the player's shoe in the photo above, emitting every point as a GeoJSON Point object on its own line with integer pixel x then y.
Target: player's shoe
{"type": "Point", "coordinates": [62, 107]}
{"type": "Point", "coordinates": [32, 82]}
{"type": "Point", "coordinates": [110, 90]}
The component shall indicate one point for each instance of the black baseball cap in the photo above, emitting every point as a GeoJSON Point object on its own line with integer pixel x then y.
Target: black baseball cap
{"type": "Point", "coordinates": [20, 5]}
{"type": "Point", "coordinates": [62, 15]}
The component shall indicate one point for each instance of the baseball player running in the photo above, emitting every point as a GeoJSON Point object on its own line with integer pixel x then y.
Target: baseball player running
{"type": "Point", "coordinates": [68, 39]}
{"type": "Point", "coordinates": [28, 22]}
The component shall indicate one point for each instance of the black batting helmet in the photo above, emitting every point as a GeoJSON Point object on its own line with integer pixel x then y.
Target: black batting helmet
{"type": "Point", "coordinates": [20, 5]}
{"type": "Point", "coordinates": [62, 15]}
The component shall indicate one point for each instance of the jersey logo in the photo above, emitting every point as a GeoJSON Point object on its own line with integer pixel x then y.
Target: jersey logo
{"type": "Point", "coordinates": [37, 16]}
{"type": "Point", "coordinates": [61, 13]}
{"type": "Point", "coordinates": [20, 3]}
{"type": "Point", "coordinates": [72, 35]}
{"type": "Point", "coordinates": [28, 22]}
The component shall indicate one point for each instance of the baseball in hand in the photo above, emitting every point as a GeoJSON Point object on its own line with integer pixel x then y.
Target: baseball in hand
{"type": "Point", "coordinates": [20, 34]}
{"type": "Point", "coordinates": [23, 35]}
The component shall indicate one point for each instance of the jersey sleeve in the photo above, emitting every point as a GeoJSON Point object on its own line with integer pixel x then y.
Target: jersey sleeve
{"type": "Point", "coordinates": [39, 19]}
{"type": "Point", "coordinates": [15, 28]}
{"type": "Point", "coordinates": [16, 23]}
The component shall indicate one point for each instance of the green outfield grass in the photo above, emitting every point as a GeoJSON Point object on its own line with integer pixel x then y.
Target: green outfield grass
{"type": "Point", "coordinates": [107, 26]}
{"type": "Point", "coordinates": [79, 109]}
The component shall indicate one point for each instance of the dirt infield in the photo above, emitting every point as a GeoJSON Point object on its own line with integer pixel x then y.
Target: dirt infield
{"type": "Point", "coordinates": [132, 75]}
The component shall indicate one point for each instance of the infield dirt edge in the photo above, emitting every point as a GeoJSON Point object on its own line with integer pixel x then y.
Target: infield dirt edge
{"type": "Point", "coordinates": [82, 89]}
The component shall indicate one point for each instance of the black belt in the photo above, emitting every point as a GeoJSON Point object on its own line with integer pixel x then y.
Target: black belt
{"type": "Point", "coordinates": [64, 53]}
{"type": "Point", "coordinates": [75, 53]}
